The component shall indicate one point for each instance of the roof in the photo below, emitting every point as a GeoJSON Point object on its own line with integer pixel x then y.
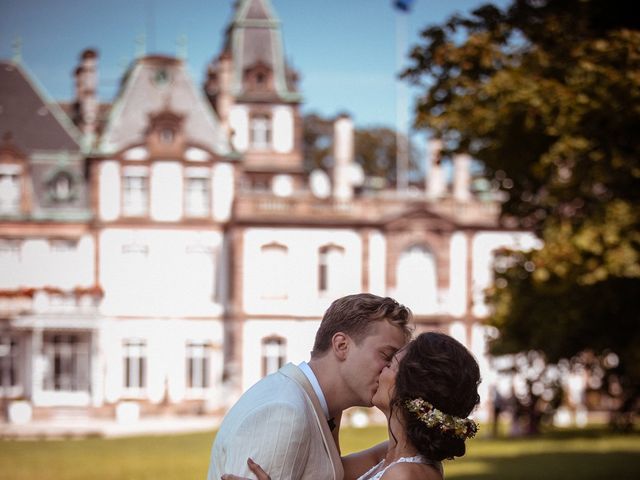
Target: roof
{"type": "Point", "coordinates": [34, 122]}
{"type": "Point", "coordinates": [161, 83]}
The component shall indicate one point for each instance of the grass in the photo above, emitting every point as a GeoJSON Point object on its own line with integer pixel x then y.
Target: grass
{"type": "Point", "coordinates": [562, 455]}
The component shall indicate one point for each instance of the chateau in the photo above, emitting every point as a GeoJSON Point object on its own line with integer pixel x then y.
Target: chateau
{"type": "Point", "coordinates": [161, 253]}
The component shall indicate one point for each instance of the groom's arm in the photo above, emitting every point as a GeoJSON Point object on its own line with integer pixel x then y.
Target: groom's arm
{"type": "Point", "coordinates": [275, 436]}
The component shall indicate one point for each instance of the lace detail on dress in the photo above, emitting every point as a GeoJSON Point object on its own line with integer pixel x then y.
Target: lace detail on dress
{"type": "Point", "coordinates": [416, 459]}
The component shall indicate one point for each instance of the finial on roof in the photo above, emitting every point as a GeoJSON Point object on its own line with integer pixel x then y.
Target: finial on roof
{"type": "Point", "coordinates": [17, 49]}
{"type": "Point", "coordinates": [181, 46]}
{"type": "Point", "coordinates": [141, 45]}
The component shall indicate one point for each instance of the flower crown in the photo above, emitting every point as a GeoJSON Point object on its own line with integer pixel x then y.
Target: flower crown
{"type": "Point", "coordinates": [434, 418]}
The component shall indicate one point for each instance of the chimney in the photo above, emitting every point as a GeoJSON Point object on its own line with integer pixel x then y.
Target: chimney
{"type": "Point", "coordinates": [342, 158]}
{"type": "Point", "coordinates": [224, 99]}
{"type": "Point", "coordinates": [462, 177]}
{"type": "Point", "coordinates": [435, 181]}
{"type": "Point", "coordinates": [86, 93]}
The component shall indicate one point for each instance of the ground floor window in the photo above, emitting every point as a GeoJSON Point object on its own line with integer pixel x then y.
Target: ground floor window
{"type": "Point", "coordinates": [135, 364]}
{"type": "Point", "coordinates": [67, 362]}
{"type": "Point", "coordinates": [198, 358]}
{"type": "Point", "coordinates": [9, 363]}
{"type": "Point", "coordinates": [274, 350]}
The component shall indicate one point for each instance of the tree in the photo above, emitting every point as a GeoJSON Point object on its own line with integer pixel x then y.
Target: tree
{"type": "Point", "coordinates": [546, 95]}
{"type": "Point", "coordinates": [375, 148]}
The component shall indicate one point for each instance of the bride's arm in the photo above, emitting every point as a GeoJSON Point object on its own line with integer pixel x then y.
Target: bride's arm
{"type": "Point", "coordinates": [359, 463]}
{"type": "Point", "coordinates": [354, 465]}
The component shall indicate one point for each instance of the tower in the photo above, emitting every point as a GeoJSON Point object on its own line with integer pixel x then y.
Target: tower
{"type": "Point", "coordinates": [254, 92]}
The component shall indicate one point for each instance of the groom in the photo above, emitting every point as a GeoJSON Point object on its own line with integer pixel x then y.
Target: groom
{"type": "Point", "coordinates": [285, 421]}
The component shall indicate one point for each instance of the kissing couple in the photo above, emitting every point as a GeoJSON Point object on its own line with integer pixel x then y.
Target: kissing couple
{"type": "Point", "coordinates": [286, 426]}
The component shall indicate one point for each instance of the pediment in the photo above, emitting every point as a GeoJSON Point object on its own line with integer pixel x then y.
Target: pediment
{"type": "Point", "coordinates": [419, 218]}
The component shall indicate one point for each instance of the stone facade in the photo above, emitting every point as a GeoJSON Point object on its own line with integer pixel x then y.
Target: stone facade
{"type": "Point", "coordinates": [161, 253]}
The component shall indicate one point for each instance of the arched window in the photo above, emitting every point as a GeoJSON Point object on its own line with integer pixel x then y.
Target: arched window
{"type": "Point", "coordinates": [416, 280]}
{"type": "Point", "coordinates": [274, 258]}
{"type": "Point", "coordinates": [274, 354]}
{"type": "Point", "coordinates": [330, 268]}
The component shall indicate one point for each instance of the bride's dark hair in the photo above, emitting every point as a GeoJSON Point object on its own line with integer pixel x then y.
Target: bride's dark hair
{"type": "Point", "coordinates": [441, 371]}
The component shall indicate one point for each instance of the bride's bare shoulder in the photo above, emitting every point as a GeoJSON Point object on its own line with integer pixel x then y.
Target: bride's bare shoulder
{"type": "Point", "coordinates": [411, 471]}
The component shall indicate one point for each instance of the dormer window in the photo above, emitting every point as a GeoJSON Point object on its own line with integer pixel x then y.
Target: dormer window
{"type": "Point", "coordinates": [165, 129]}
{"type": "Point", "coordinates": [61, 187]}
{"type": "Point", "coordinates": [258, 78]}
{"type": "Point", "coordinates": [166, 136]}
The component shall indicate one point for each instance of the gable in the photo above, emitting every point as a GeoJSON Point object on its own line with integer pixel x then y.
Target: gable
{"type": "Point", "coordinates": [157, 84]}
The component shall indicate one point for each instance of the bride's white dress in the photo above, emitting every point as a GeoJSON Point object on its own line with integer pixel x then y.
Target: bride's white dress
{"type": "Point", "coordinates": [417, 459]}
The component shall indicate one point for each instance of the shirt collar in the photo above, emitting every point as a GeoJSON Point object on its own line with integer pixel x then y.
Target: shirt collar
{"type": "Point", "coordinates": [306, 369]}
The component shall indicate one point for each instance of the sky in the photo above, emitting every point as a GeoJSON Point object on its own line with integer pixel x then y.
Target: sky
{"type": "Point", "coordinates": [348, 52]}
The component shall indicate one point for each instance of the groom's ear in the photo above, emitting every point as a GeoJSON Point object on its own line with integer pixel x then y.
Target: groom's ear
{"type": "Point", "coordinates": [340, 345]}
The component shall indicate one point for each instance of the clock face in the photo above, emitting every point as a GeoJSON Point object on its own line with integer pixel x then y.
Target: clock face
{"type": "Point", "coordinates": [161, 77]}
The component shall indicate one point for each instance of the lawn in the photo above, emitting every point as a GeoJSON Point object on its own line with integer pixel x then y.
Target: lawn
{"type": "Point", "coordinates": [586, 455]}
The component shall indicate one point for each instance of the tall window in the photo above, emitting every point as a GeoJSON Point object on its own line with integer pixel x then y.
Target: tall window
{"type": "Point", "coordinates": [198, 196]}
{"type": "Point", "coordinates": [274, 354]}
{"type": "Point", "coordinates": [330, 268]}
{"type": "Point", "coordinates": [9, 261]}
{"type": "Point", "coordinates": [198, 358]}
{"type": "Point", "coordinates": [9, 363]}
{"type": "Point", "coordinates": [261, 131]}
{"type": "Point", "coordinates": [135, 364]}
{"type": "Point", "coordinates": [274, 270]}
{"type": "Point", "coordinates": [416, 280]}
{"type": "Point", "coordinates": [10, 189]}
{"type": "Point", "coordinates": [67, 359]}
{"type": "Point", "coordinates": [135, 192]}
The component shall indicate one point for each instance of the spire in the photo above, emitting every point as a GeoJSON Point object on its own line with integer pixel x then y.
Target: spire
{"type": "Point", "coordinates": [254, 44]}
{"type": "Point", "coordinates": [254, 10]}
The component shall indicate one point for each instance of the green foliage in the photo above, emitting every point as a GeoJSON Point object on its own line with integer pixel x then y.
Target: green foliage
{"type": "Point", "coordinates": [375, 148]}
{"type": "Point", "coordinates": [546, 94]}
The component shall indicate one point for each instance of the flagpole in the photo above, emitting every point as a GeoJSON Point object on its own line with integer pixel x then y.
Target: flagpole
{"type": "Point", "coordinates": [402, 134]}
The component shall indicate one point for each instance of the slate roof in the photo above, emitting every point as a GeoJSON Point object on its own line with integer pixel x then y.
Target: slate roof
{"type": "Point", "coordinates": [34, 122]}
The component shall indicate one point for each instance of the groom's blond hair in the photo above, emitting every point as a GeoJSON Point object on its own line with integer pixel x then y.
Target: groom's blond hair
{"type": "Point", "coordinates": [355, 315]}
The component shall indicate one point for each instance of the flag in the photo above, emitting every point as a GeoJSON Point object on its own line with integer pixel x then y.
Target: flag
{"type": "Point", "coordinates": [404, 5]}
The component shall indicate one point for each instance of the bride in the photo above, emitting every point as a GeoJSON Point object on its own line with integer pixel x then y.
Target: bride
{"type": "Point", "coordinates": [426, 392]}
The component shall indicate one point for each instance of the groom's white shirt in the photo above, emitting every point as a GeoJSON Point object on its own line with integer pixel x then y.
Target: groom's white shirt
{"type": "Point", "coordinates": [279, 423]}
{"type": "Point", "coordinates": [313, 380]}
